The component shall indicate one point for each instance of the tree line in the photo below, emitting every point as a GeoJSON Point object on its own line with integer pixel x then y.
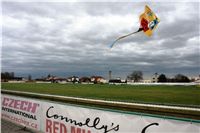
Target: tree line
{"type": "Point", "coordinates": [7, 75]}
{"type": "Point", "coordinates": [137, 76]}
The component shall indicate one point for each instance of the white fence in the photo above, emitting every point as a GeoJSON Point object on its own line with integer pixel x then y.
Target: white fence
{"type": "Point", "coordinates": [186, 84]}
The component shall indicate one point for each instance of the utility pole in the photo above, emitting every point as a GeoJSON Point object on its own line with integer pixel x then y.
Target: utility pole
{"type": "Point", "coordinates": [110, 75]}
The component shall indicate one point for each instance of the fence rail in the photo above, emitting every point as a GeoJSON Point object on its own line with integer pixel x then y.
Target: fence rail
{"type": "Point", "coordinates": [185, 84]}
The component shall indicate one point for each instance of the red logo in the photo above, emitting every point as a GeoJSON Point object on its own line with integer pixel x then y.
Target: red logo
{"type": "Point", "coordinates": [144, 24]}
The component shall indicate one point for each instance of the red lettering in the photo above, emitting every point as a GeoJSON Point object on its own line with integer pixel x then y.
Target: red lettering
{"type": "Point", "coordinates": [32, 107]}
{"type": "Point", "coordinates": [78, 130]}
{"type": "Point", "coordinates": [23, 105]}
{"type": "Point", "coordinates": [48, 126]}
{"type": "Point", "coordinates": [83, 130]}
{"type": "Point", "coordinates": [11, 104]}
{"type": "Point", "coordinates": [5, 103]}
{"type": "Point", "coordinates": [73, 129]}
{"type": "Point", "coordinates": [16, 104]}
{"type": "Point", "coordinates": [33, 125]}
{"type": "Point", "coordinates": [63, 128]}
{"type": "Point", "coordinates": [55, 127]}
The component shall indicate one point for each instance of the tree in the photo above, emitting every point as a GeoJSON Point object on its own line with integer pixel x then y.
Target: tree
{"type": "Point", "coordinates": [3, 77]}
{"type": "Point", "coordinates": [162, 78]}
{"type": "Point", "coordinates": [49, 75]}
{"type": "Point", "coordinates": [7, 75]}
{"type": "Point", "coordinates": [181, 78]}
{"type": "Point", "coordinates": [136, 76]}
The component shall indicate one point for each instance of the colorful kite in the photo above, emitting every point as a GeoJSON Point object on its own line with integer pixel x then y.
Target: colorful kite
{"type": "Point", "coordinates": [148, 23]}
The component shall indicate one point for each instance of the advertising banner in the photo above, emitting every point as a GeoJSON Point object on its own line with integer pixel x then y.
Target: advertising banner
{"type": "Point", "coordinates": [23, 111]}
{"type": "Point", "coordinates": [64, 118]}
{"type": "Point", "coordinates": [72, 119]}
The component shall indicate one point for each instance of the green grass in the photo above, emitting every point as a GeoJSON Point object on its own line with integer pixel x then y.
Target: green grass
{"type": "Point", "coordinates": [181, 95]}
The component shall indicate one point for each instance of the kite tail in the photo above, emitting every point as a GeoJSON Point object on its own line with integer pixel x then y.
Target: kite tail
{"type": "Point", "coordinates": [140, 29]}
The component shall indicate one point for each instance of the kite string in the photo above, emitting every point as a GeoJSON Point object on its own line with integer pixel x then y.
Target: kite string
{"type": "Point", "coordinates": [140, 29]}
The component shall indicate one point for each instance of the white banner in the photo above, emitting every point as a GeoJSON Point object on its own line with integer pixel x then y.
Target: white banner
{"type": "Point", "coordinates": [23, 111]}
{"type": "Point", "coordinates": [71, 119]}
{"type": "Point", "coordinates": [60, 118]}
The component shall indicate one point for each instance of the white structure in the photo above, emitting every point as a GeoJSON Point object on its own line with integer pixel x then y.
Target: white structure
{"type": "Point", "coordinates": [195, 79]}
{"type": "Point", "coordinates": [155, 78]}
{"type": "Point", "coordinates": [146, 81]}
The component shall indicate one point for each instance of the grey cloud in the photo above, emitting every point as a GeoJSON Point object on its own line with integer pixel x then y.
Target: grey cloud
{"type": "Point", "coordinates": [74, 38]}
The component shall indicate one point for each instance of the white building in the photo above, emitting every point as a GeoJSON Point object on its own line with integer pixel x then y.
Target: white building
{"type": "Point", "coordinates": [155, 78]}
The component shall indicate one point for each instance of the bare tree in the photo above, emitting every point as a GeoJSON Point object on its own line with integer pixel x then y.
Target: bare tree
{"type": "Point", "coordinates": [136, 76]}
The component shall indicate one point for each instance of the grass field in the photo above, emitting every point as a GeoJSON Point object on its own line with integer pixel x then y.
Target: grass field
{"type": "Point", "coordinates": [181, 95]}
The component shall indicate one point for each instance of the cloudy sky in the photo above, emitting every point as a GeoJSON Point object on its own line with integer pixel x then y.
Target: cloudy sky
{"type": "Point", "coordinates": [64, 39]}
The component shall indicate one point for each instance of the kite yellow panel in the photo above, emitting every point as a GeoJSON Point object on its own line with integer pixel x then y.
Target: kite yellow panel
{"type": "Point", "coordinates": [148, 21]}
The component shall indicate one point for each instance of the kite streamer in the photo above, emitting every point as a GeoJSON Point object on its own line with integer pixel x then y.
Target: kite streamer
{"type": "Point", "coordinates": [148, 22]}
{"type": "Point", "coordinates": [140, 29]}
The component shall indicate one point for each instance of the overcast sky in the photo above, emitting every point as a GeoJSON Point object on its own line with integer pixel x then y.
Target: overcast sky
{"type": "Point", "coordinates": [66, 39]}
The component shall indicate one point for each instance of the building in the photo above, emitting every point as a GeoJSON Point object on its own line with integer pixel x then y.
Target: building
{"type": "Point", "coordinates": [146, 81]}
{"type": "Point", "coordinates": [155, 78]}
{"type": "Point", "coordinates": [73, 79]}
{"type": "Point", "coordinates": [195, 79]}
{"type": "Point", "coordinates": [97, 79]}
{"type": "Point", "coordinates": [117, 81]}
{"type": "Point", "coordinates": [85, 80]}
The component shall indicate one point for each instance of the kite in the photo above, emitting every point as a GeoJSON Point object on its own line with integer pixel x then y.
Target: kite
{"type": "Point", "coordinates": [148, 23]}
